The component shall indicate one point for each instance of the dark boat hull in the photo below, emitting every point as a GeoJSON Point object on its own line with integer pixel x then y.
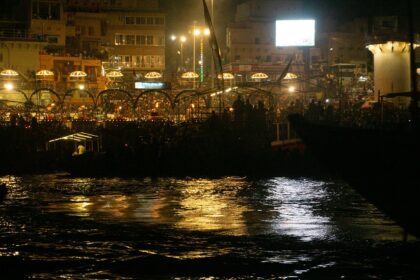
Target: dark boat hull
{"type": "Point", "coordinates": [380, 164]}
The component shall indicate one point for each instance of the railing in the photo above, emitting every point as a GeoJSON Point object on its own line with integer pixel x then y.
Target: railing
{"type": "Point", "coordinates": [20, 34]}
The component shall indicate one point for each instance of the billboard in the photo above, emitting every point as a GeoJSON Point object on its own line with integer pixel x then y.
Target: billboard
{"type": "Point", "coordinates": [152, 85]}
{"type": "Point", "coordinates": [295, 33]}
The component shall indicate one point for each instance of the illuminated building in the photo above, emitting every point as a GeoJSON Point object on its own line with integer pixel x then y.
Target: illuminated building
{"type": "Point", "coordinates": [250, 40]}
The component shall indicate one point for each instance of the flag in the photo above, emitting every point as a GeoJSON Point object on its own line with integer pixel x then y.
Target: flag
{"type": "Point", "coordinates": [284, 73]}
{"type": "Point", "coordinates": [213, 41]}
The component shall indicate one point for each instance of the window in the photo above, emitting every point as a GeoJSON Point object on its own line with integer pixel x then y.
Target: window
{"type": "Point", "coordinates": [237, 57]}
{"type": "Point", "coordinates": [140, 20]}
{"type": "Point", "coordinates": [130, 39]}
{"type": "Point", "coordinates": [149, 20]}
{"type": "Point", "coordinates": [159, 21]}
{"type": "Point", "coordinates": [257, 41]}
{"type": "Point", "coordinates": [130, 20]}
{"type": "Point", "coordinates": [149, 40]}
{"type": "Point", "coordinates": [161, 41]}
{"type": "Point", "coordinates": [119, 39]}
{"type": "Point", "coordinates": [91, 31]}
{"type": "Point", "coordinates": [140, 40]}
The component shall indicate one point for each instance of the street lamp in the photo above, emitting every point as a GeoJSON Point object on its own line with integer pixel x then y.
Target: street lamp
{"type": "Point", "coordinates": [200, 32]}
{"type": "Point", "coordinates": [182, 39]}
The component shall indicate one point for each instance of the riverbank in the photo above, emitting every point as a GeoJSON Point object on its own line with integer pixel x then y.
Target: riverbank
{"type": "Point", "coordinates": [215, 147]}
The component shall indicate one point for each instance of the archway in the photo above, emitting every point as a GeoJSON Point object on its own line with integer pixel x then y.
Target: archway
{"type": "Point", "coordinates": [154, 104]}
{"type": "Point", "coordinates": [115, 104]}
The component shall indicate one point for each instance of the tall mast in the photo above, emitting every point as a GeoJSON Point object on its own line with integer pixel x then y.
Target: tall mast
{"type": "Point", "coordinates": [413, 72]}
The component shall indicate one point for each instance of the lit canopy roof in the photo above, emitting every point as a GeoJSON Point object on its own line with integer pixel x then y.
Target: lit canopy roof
{"type": "Point", "coordinates": [259, 76]}
{"type": "Point", "coordinates": [78, 74]}
{"type": "Point", "coordinates": [76, 137]}
{"type": "Point", "coordinates": [114, 74]}
{"type": "Point", "coordinates": [153, 75]}
{"type": "Point", "coordinates": [189, 75]}
{"type": "Point", "coordinates": [9, 73]}
{"type": "Point", "coordinates": [226, 76]}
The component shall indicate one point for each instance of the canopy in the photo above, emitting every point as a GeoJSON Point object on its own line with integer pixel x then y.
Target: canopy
{"type": "Point", "coordinates": [78, 74]}
{"type": "Point", "coordinates": [189, 75]}
{"type": "Point", "coordinates": [259, 76]}
{"type": "Point", "coordinates": [153, 75]}
{"type": "Point", "coordinates": [90, 141]}
{"type": "Point", "coordinates": [114, 74]}
{"type": "Point", "coordinates": [76, 137]}
{"type": "Point", "coordinates": [9, 73]}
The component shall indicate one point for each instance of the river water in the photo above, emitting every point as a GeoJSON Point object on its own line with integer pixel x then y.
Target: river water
{"type": "Point", "coordinates": [56, 226]}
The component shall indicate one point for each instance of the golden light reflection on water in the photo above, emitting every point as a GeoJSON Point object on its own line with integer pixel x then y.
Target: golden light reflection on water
{"type": "Point", "coordinates": [198, 205]}
{"type": "Point", "coordinates": [116, 206]}
{"type": "Point", "coordinates": [203, 207]}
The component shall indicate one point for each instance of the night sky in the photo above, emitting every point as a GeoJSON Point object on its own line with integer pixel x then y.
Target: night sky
{"type": "Point", "coordinates": [181, 13]}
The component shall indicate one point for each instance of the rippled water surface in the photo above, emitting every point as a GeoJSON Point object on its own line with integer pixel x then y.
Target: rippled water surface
{"type": "Point", "coordinates": [55, 226]}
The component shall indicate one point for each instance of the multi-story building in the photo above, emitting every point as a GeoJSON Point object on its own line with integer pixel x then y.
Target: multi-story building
{"type": "Point", "coordinates": [250, 40]}
{"type": "Point", "coordinates": [47, 21]}
{"type": "Point", "coordinates": [130, 33]}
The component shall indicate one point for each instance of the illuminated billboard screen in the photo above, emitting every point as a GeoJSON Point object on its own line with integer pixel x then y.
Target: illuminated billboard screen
{"type": "Point", "coordinates": [151, 85]}
{"type": "Point", "coordinates": [295, 33]}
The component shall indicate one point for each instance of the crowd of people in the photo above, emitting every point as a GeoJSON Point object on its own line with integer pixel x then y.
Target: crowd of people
{"type": "Point", "coordinates": [238, 140]}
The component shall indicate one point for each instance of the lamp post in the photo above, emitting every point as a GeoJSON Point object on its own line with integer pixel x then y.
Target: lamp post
{"type": "Point", "coordinates": [201, 32]}
{"type": "Point", "coordinates": [182, 39]}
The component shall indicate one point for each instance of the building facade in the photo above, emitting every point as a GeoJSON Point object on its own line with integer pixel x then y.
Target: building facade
{"type": "Point", "coordinates": [131, 34]}
{"type": "Point", "coordinates": [250, 40]}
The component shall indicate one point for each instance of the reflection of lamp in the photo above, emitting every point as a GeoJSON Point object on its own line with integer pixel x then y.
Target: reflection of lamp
{"type": "Point", "coordinates": [189, 75]}
{"type": "Point", "coordinates": [258, 76]}
{"type": "Point", "coordinates": [153, 75]}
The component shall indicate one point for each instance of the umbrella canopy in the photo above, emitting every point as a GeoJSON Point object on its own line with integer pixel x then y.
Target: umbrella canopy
{"type": "Point", "coordinates": [9, 73]}
{"type": "Point", "coordinates": [189, 75]}
{"type": "Point", "coordinates": [226, 76]}
{"type": "Point", "coordinates": [114, 74]}
{"type": "Point", "coordinates": [259, 76]}
{"type": "Point", "coordinates": [290, 76]}
{"type": "Point", "coordinates": [78, 74]}
{"type": "Point", "coordinates": [153, 75]}
{"type": "Point", "coordinates": [44, 73]}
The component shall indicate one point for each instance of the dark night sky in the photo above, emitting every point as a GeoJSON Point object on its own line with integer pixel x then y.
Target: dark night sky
{"type": "Point", "coordinates": [182, 13]}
